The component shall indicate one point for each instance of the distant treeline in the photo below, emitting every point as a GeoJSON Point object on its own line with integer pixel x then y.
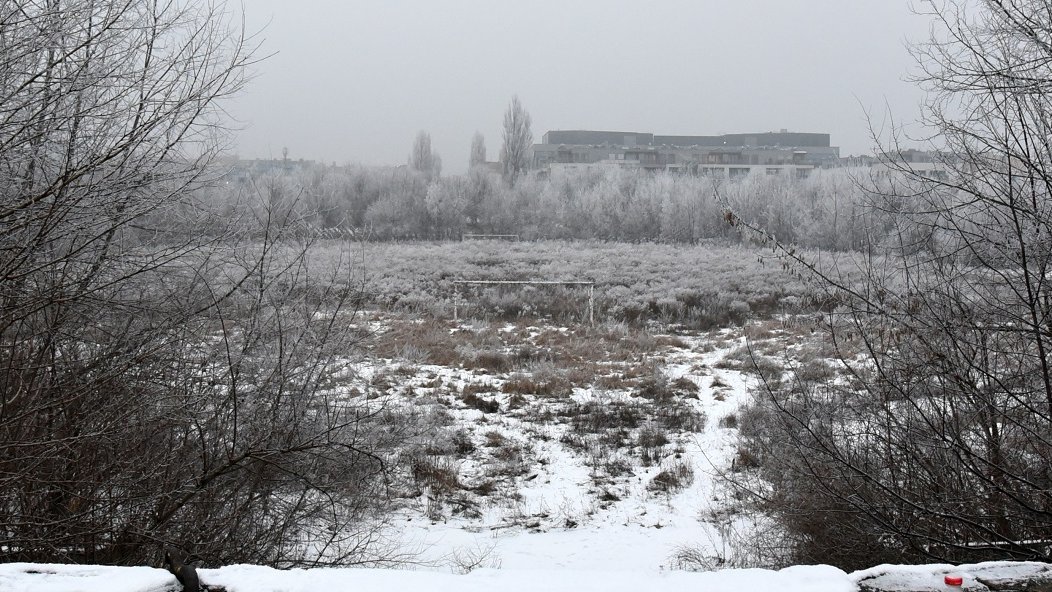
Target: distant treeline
{"type": "Point", "coordinates": [825, 211]}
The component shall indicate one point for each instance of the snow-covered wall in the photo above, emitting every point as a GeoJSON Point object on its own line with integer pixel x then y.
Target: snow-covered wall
{"type": "Point", "coordinates": [1032, 577]}
{"type": "Point", "coordinates": [981, 577]}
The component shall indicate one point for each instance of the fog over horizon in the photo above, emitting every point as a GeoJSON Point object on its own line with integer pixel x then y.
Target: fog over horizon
{"type": "Point", "coordinates": [355, 82]}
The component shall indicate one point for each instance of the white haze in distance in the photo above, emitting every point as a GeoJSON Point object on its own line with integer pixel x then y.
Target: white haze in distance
{"type": "Point", "coordinates": [353, 81]}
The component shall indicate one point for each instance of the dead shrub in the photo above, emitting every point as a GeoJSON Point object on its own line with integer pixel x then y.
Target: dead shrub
{"type": "Point", "coordinates": [438, 473]}
{"type": "Point", "coordinates": [617, 467]}
{"type": "Point", "coordinates": [405, 370]}
{"type": "Point", "coordinates": [736, 358]}
{"type": "Point", "coordinates": [642, 370]}
{"type": "Point", "coordinates": [745, 459]}
{"type": "Point", "coordinates": [430, 343]}
{"type": "Point", "coordinates": [598, 416]}
{"type": "Point", "coordinates": [380, 380]}
{"type": "Point", "coordinates": [462, 443]}
{"type": "Point", "coordinates": [769, 369]}
{"type": "Point", "coordinates": [525, 355]}
{"type": "Point", "coordinates": [680, 417]}
{"type": "Point", "coordinates": [687, 558]}
{"type": "Point", "coordinates": [670, 341]}
{"type": "Point", "coordinates": [510, 453]}
{"type": "Point", "coordinates": [613, 382]}
{"type": "Point", "coordinates": [615, 439]}
{"type": "Point", "coordinates": [475, 388]}
{"type": "Point", "coordinates": [651, 436]}
{"type": "Point", "coordinates": [546, 385]}
{"type": "Point", "coordinates": [685, 387]}
{"type": "Point", "coordinates": [655, 388]}
{"type": "Point", "coordinates": [474, 401]}
{"type": "Point", "coordinates": [574, 441]}
{"type": "Point", "coordinates": [579, 374]}
{"type": "Point", "coordinates": [651, 441]}
{"type": "Point", "coordinates": [815, 371]}
{"type": "Point", "coordinates": [763, 330]}
{"type": "Point", "coordinates": [674, 478]}
{"type": "Point", "coordinates": [821, 348]}
{"type": "Point", "coordinates": [494, 439]}
{"type": "Point", "coordinates": [493, 361]}
{"type": "Point", "coordinates": [516, 401]}
{"type": "Point", "coordinates": [486, 487]}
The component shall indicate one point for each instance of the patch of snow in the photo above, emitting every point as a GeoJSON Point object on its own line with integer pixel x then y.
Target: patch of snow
{"type": "Point", "coordinates": [250, 578]}
{"type": "Point", "coordinates": [558, 519]}
{"type": "Point", "coordinates": [32, 577]}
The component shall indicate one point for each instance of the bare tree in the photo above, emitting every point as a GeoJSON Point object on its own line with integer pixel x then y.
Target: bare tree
{"type": "Point", "coordinates": [166, 371]}
{"type": "Point", "coordinates": [478, 150]}
{"type": "Point", "coordinates": [518, 141]}
{"type": "Point", "coordinates": [938, 444]}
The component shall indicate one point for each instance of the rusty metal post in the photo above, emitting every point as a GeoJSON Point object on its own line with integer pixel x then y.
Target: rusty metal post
{"type": "Point", "coordinates": [591, 304]}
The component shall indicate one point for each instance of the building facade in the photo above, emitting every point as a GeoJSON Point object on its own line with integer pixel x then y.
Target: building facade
{"type": "Point", "coordinates": [728, 155]}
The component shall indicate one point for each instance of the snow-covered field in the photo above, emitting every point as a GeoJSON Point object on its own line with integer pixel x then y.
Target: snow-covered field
{"type": "Point", "coordinates": [598, 483]}
{"type": "Point", "coordinates": [577, 501]}
{"type": "Point", "coordinates": [603, 482]}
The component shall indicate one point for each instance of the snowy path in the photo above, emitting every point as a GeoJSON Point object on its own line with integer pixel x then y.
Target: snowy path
{"type": "Point", "coordinates": [640, 531]}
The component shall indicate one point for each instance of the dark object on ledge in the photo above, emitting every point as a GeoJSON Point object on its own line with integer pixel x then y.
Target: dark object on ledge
{"type": "Point", "coordinates": [176, 562]}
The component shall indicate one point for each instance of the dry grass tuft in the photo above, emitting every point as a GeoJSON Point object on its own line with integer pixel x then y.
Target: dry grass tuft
{"type": "Point", "coordinates": [674, 478]}
{"type": "Point", "coordinates": [543, 385]}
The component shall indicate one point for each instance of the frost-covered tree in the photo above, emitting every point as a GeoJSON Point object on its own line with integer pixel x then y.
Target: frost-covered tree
{"type": "Point", "coordinates": [518, 140]}
{"type": "Point", "coordinates": [478, 150]}
{"type": "Point", "coordinates": [446, 202]}
{"type": "Point", "coordinates": [436, 166]}
{"type": "Point", "coordinates": [401, 210]}
{"type": "Point", "coordinates": [422, 158]}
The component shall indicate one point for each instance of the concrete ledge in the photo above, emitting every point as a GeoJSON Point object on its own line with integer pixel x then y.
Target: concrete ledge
{"type": "Point", "coordinates": [981, 577]}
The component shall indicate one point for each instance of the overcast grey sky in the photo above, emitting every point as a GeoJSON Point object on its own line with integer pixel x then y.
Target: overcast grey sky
{"type": "Point", "coordinates": [353, 81]}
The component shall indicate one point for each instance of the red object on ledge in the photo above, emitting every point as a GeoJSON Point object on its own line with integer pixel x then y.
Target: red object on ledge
{"type": "Point", "coordinates": [953, 580]}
